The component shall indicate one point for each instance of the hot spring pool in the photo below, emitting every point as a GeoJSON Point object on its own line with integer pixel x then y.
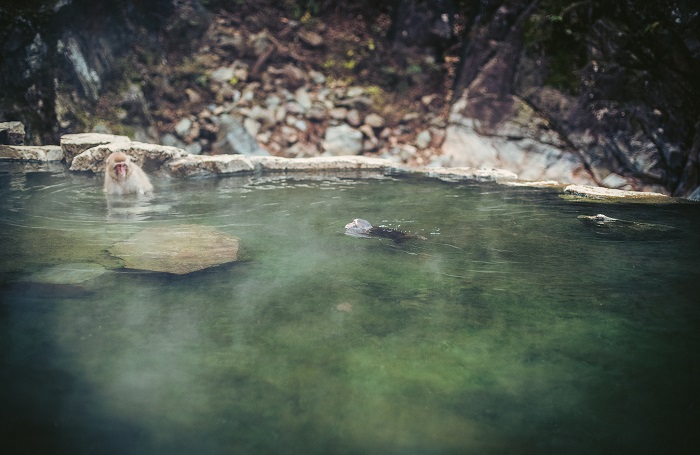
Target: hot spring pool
{"type": "Point", "coordinates": [513, 328]}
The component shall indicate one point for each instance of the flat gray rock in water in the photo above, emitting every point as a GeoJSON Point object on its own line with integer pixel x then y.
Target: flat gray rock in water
{"type": "Point", "coordinates": [75, 273]}
{"type": "Point", "coordinates": [616, 229]}
{"type": "Point", "coordinates": [177, 249]}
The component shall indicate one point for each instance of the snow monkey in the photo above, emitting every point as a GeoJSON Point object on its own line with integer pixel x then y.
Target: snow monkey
{"type": "Point", "coordinates": [123, 176]}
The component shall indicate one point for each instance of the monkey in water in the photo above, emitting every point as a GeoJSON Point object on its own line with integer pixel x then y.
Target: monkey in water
{"type": "Point", "coordinates": [362, 228]}
{"type": "Point", "coordinates": [123, 176]}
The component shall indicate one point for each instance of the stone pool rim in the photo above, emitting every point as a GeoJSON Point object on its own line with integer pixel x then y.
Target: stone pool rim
{"type": "Point", "coordinates": [86, 152]}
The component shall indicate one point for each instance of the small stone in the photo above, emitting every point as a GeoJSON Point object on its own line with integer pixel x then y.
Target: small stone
{"type": "Point", "coordinates": [374, 120]}
{"type": "Point", "coordinates": [369, 132]}
{"type": "Point", "coordinates": [406, 152]}
{"type": "Point", "coordinates": [338, 113]}
{"type": "Point", "coordinates": [411, 116]}
{"type": "Point", "coordinates": [280, 114]}
{"type": "Point", "coordinates": [264, 138]}
{"type": "Point", "coordinates": [317, 77]}
{"type": "Point", "coordinates": [353, 118]}
{"type": "Point", "coordinates": [438, 122]}
{"type": "Point", "coordinates": [223, 74]}
{"type": "Point", "coordinates": [437, 138]}
{"type": "Point", "coordinates": [183, 126]}
{"type": "Point", "coordinates": [344, 307]}
{"type": "Point", "coordinates": [342, 140]}
{"type": "Point", "coordinates": [171, 140]}
{"type": "Point", "coordinates": [354, 92]}
{"type": "Point", "coordinates": [311, 38]}
{"type": "Point", "coordinates": [303, 99]}
{"type": "Point", "coordinates": [301, 125]}
{"type": "Point", "coordinates": [273, 101]}
{"type": "Point", "coordinates": [265, 116]}
{"type": "Point", "coordinates": [194, 148]}
{"type": "Point", "coordinates": [289, 135]}
{"type": "Point", "coordinates": [317, 113]}
{"type": "Point", "coordinates": [294, 108]}
{"type": "Point", "coordinates": [193, 96]}
{"type": "Point", "coordinates": [423, 139]}
{"type": "Point", "coordinates": [427, 100]}
{"type": "Point", "coordinates": [234, 138]}
{"type": "Point", "coordinates": [252, 126]}
{"type": "Point", "coordinates": [302, 150]}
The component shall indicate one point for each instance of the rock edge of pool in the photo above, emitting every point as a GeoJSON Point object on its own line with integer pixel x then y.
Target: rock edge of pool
{"type": "Point", "coordinates": [86, 152]}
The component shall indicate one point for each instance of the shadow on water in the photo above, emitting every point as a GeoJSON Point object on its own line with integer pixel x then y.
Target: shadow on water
{"type": "Point", "coordinates": [513, 328]}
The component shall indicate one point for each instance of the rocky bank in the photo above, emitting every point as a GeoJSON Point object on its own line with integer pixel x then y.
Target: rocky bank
{"type": "Point", "coordinates": [419, 84]}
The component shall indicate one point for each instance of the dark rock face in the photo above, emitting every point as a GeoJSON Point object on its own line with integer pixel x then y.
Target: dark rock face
{"type": "Point", "coordinates": [616, 82]}
{"type": "Point", "coordinates": [59, 56]}
{"type": "Point", "coordinates": [11, 133]}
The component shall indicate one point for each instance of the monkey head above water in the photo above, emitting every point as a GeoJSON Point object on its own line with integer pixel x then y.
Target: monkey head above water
{"type": "Point", "coordinates": [123, 176]}
{"type": "Point", "coordinates": [362, 228]}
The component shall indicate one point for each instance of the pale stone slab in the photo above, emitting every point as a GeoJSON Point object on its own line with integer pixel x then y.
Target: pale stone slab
{"type": "Point", "coordinates": [201, 165]}
{"type": "Point", "coordinates": [177, 249]}
{"type": "Point", "coordinates": [42, 153]}
{"type": "Point", "coordinates": [322, 163]}
{"type": "Point", "coordinates": [457, 174]}
{"type": "Point", "coordinates": [73, 273]}
{"type": "Point", "coordinates": [75, 144]}
{"type": "Point", "coordinates": [596, 192]}
{"type": "Point", "coordinates": [148, 156]}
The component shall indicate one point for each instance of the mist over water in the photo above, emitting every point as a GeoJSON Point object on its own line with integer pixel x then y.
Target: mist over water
{"type": "Point", "coordinates": [514, 328]}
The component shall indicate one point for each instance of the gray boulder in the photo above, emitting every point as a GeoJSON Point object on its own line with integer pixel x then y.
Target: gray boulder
{"type": "Point", "coordinates": [150, 157]}
{"type": "Point", "coordinates": [177, 249]}
{"type": "Point", "coordinates": [233, 138]}
{"type": "Point", "coordinates": [342, 140]}
{"type": "Point", "coordinates": [41, 153]}
{"type": "Point", "coordinates": [12, 133]}
{"type": "Point", "coordinates": [206, 165]}
{"type": "Point", "coordinates": [75, 144]}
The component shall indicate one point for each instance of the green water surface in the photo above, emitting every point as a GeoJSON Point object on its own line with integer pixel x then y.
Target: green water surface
{"type": "Point", "coordinates": [514, 328]}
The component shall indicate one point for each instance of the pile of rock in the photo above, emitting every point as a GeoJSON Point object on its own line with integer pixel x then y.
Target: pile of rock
{"type": "Point", "coordinates": [317, 118]}
{"type": "Point", "coordinates": [257, 95]}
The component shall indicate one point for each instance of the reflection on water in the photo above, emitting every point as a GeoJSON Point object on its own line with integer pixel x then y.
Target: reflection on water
{"type": "Point", "coordinates": [514, 328]}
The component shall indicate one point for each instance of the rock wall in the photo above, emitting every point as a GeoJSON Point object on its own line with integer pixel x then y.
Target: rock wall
{"type": "Point", "coordinates": [60, 56]}
{"type": "Point", "coordinates": [605, 92]}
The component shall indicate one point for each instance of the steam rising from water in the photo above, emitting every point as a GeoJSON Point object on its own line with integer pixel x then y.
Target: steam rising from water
{"type": "Point", "coordinates": [512, 328]}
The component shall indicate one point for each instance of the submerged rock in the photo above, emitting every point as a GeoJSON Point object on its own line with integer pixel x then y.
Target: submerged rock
{"type": "Point", "coordinates": [178, 249]}
{"type": "Point", "coordinates": [75, 273]}
{"type": "Point", "coordinates": [628, 230]}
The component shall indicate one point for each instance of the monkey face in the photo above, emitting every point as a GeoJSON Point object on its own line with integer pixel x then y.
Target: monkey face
{"type": "Point", "coordinates": [119, 165]}
{"type": "Point", "coordinates": [359, 225]}
{"type": "Point", "coordinates": [120, 169]}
